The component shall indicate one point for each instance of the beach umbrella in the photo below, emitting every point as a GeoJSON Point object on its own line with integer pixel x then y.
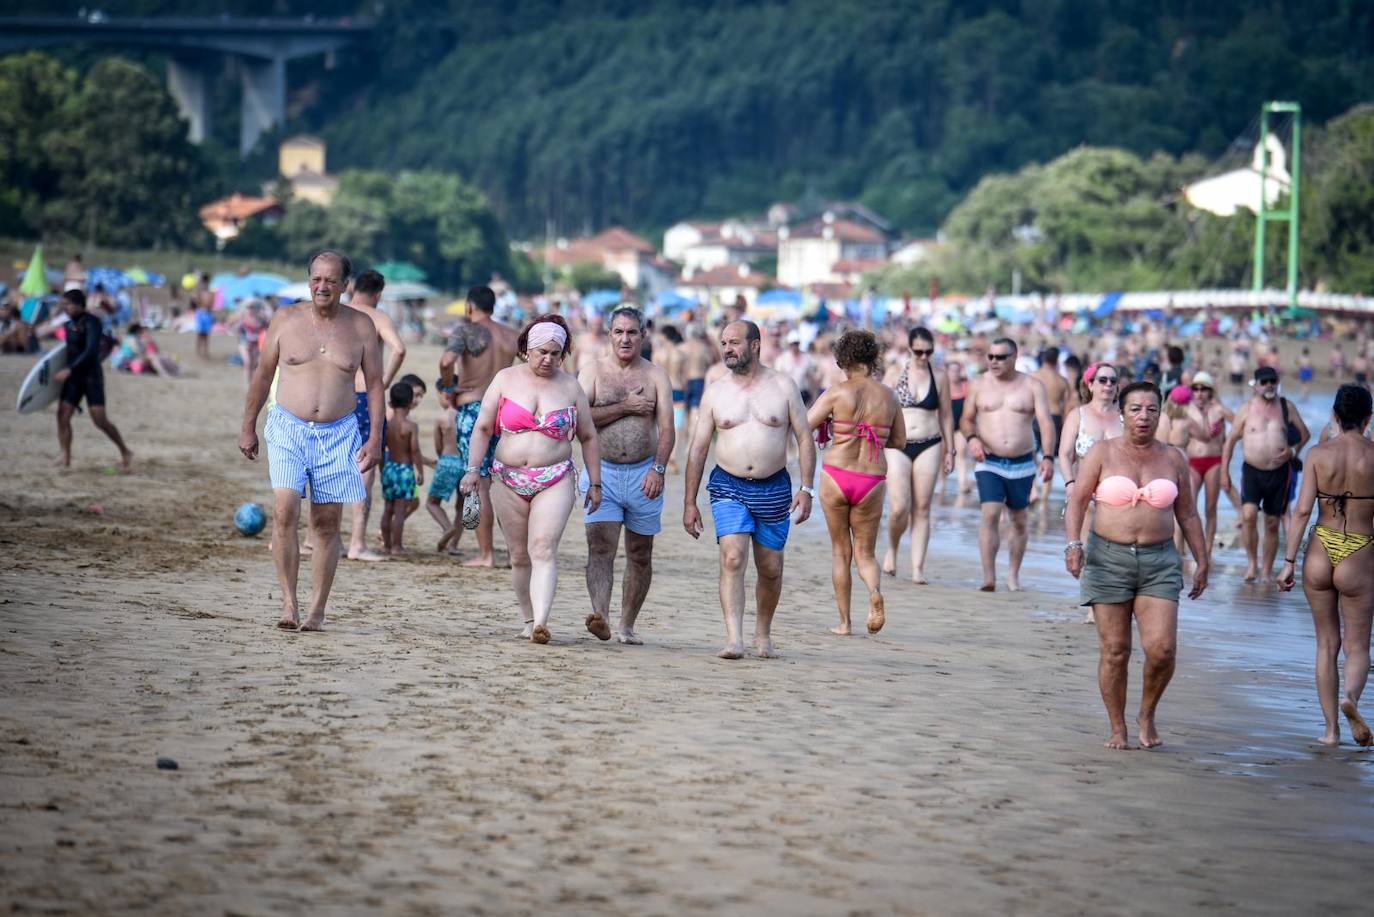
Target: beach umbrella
{"type": "Point", "coordinates": [780, 296]}
{"type": "Point", "coordinates": [457, 307]}
{"type": "Point", "coordinates": [293, 292]}
{"type": "Point", "coordinates": [407, 289]}
{"type": "Point", "coordinates": [35, 277]}
{"type": "Point", "coordinates": [110, 278]}
{"type": "Point", "coordinates": [247, 286]}
{"type": "Point", "coordinates": [395, 271]}
{"type": "Point", "coordinates": [142, 278]}
{"type": "Point", "coordinates": [1107, 306]}
{"type": "Point", "coordinates": [600, 299]}
{"type": "Point", "coordinates": [669, 302]}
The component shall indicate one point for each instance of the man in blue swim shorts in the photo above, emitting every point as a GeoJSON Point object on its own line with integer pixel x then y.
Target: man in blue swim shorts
{"type": "Point", "coordinates": [1001, 409]}
{"type": "Point", "coordinates": [311, 433]}
{"type": "Point", "coordinates": [750, 412]}
{"type": "Point", "coordinates": [631, 402]}
{"type": "Point", "coordinates": [476, 351]}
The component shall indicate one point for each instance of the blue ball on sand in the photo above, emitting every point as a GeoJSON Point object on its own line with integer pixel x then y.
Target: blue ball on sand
{"type": "Point", "coordinates": [250, 519]}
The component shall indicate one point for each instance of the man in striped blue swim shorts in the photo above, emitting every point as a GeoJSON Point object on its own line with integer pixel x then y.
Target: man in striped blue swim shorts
{"type": "Point", "coordinates": [312, 436]}
{"type": "Point", "coordinates": [1001, 409]}
{"type": "Point", "coordinates": [750, 412]}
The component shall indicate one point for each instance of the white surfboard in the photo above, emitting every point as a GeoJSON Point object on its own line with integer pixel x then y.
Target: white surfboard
{"type": "Point", "coordinates": [40, 389]}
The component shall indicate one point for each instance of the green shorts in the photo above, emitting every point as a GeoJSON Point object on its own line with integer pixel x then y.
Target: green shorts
{"type": "Point", "coordinates": [1114, 574]}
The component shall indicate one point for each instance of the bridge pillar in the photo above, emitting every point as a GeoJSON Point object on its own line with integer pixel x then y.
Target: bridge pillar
{"type": "Point", "coordinates": [264, 99]}
{"type": "Point", "coordinates": [187, 84]}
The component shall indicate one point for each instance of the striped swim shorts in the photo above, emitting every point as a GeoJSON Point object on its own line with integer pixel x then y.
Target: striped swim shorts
{"type": "Point", "coordinates": [321, 454]}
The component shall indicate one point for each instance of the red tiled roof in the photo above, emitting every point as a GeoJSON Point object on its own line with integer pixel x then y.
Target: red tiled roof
{"type": "Point", "coordinates": [236, 208]}
{"type": "Point", "coordinates": [845, 231]}
{"type": "Point", "coordinates": [619, 239]}
{"type": "Point", "coordinates": [727, 275]}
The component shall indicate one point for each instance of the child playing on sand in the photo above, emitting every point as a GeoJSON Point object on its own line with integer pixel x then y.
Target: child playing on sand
{"type": "Point", "coordinates": [447, 473]}
{"type": "Point", "coordinates": [403, 470]}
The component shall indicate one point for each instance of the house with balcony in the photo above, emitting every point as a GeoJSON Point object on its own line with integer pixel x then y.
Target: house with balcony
{"type": "Point", "coordinates": [809, 253]}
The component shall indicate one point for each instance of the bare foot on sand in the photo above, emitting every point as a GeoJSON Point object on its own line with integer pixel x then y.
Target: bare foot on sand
{"type": "Point", "coordinates": [840, 630]}
{"type": "Point", "coordinates": [313, 624]}
{"type": "Point", "coordinates": [1117, 740]}
{"type": "Point", "coordinates": [365, 555]}
{"type": "Point", "coordinates": [64, 460]}
{"type": "Point", "coordinates": [877, 614]}
{"type": "Point", "coordinates": [289, 621]}
{"type": "Point", "coordinates": [1090, 618]}
{"type": "Point", "coordinates": [529, 629]}
{"type": "Point", "coordinates": [597, 626]}
{"type": "Point", "coordinates": [1359, 729]}
{"type": "Point", "coordinates": [889, 564]}
{"type": "Point", "coordinates": [126, 463]}
{"type": "Point", "coordinates": [627, 635]}
{"type": "Point", "coordinates": [988, 587]}
{"type": "Point", "coordinates": [479, 561]}
{"type": "Point", "coordinates": [1013, 584]}
{"type": "Point", "coordinates": [1148, 735]}
{"type": "Point", "coordinates": [764, 649]}
{"type": "Point", "coordinates": [1331, 738]}
{"type": "Point", "coordinates": [540, 634]}
{"type": "Point", "coordinates": [919, 578]}
{"type": "Point", "coordinates": [732, 651]}
{"type": "Point", "coordinates": [446, 538]}
{"type": "Point", "coordinates": [1250, 575]}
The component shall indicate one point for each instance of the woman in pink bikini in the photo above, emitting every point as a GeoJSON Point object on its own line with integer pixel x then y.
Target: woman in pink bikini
{"type": "Point", "coordinates": [1130, 567]}
{"type": "Point", "coordinates": [864, 418]}
{"type": "Point", "coordinates": [535, 409]}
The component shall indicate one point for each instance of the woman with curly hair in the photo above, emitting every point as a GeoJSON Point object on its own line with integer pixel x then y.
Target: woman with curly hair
{"type": "Point", "coordinates": [863, 417]}
{"type": "Point", "coordinates": [536, 409]}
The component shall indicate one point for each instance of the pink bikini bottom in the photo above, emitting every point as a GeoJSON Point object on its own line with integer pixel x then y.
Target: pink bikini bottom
{"type": "Point", "coordinates": [854, 485]}
{"type": "Point", "coordinates": [530, 482]}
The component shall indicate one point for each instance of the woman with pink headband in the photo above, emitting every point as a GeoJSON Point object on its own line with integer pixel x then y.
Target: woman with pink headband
{"type": "Point", "coordinates": [535, 409]}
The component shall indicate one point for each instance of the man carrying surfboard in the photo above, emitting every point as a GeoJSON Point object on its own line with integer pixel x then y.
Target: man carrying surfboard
{"type": "Point", "coordinates": [83, 378]}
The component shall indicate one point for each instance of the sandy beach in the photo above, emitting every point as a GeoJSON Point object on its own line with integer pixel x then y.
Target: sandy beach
{"type": "Point", "coordinates": [418, 758]}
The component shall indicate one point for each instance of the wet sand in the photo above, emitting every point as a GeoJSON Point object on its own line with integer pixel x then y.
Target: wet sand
{"type": "Point", "coordinates": [417, 758]}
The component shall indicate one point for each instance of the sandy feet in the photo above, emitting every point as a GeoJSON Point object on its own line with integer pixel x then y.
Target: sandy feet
{"type": "Point", "coordinates": [627, 636]}
{"type": "Point", "coordinates": [480, 561]}
{"type": "Point", "coordinates": [877, 614]}
{"type": "Point", "coordinates": [529, 629]}
{"type": "Point", "coordinates": [597, 626]}
{"type": "Point", "coordinates": [447, 538]}
{"type": "Point", "coordinates": [764, 649]}
{"type": "Point", "coordinates": [1117, 740]}
{"type": "Point", "coordinates": [289, 621]}
{"type": "Point", "coordinates": [540, 634]}
{"type": "Point", "coordinates": [1148, 734]}
{"type": "Point", "coordinates": [312, 623]}
{"type": "Point", "coordinates": [732, 651]}
{"type": "Point", "coordinates": [1359, 729]}
{"type": "Point", "coordinates": [840, 630]}
{"type": "Point", "coordinates": [366, 555]}
{"type": "Point", "coordinates": [988, 587]}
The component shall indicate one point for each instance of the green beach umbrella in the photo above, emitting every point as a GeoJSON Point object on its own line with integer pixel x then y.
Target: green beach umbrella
{"type": "Point", "coordinates": [35, 276]}
{"type": "Point", "coordinates": [397, 271]}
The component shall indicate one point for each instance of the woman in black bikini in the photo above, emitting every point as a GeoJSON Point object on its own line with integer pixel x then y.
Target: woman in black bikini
{"type": "Point", "coordinates": [913, 470]}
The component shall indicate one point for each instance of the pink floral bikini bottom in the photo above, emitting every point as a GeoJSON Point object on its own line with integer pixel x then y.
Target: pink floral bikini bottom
{"type": "Point", "coordinates": [529, 482]}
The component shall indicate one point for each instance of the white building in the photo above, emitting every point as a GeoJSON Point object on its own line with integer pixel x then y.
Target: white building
{"type": "Point", "coordinates": [809, 253]}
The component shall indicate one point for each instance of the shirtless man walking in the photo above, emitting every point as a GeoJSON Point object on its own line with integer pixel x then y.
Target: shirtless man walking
{"type": "Point", "coordinates": [479, 349]}
{"type": "Point", "coordinates": [1057, 393]}
{"type": "Point", "coordinates": [753, 411]}
{"type": "Point", "coordinates": [1262, 427]}
{"type": "Point", "coordinates": [632, 408]}
{"type": "Point", "coordinates": [312, 435]}
{"type": "Point", "coordinates": [367, 291]}
{"type": "Point", "coordinates": [999, 411]}
{"type": "Point", "coordinates": [697, 359]}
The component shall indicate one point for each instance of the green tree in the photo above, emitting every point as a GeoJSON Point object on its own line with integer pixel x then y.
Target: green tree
{"type": "Point", "coordinates": [1338, 207]}
{"type": "Point", "coordinates": [35, 91]}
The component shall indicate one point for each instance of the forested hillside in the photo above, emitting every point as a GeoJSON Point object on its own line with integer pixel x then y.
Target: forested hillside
{"type": "Point", "coordinates": [616, 111]}
{"type": "Point", "coordinates": [588, 112]}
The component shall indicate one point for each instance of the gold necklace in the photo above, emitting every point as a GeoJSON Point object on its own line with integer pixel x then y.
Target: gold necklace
{"type": "Point", "coordinates": [316, 324]}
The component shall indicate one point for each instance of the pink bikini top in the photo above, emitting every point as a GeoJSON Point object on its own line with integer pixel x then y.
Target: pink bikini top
{"type": "Point", "coordinates": [514, 417]}
{"type": "Point", "coordinates": [868, 433]}
{"type": "Point", "coordinates": [1119, 490]}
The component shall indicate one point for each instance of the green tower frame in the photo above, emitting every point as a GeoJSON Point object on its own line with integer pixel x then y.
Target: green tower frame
{"type": "Point", "coordinates": [1290, 213]}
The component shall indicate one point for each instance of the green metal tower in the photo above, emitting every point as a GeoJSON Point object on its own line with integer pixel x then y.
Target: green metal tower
{"type": "Point", "coordinates": [1290, 213]}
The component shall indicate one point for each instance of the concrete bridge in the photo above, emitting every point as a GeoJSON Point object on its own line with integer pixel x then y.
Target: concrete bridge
{"type": "Point", "coordinates": [261, 47]}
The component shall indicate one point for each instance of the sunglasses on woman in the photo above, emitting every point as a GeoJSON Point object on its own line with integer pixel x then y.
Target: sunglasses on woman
{"type": "Point", "coordinates": [1105, 380]}
{"type": "Point", "coordinates": [921, 353]}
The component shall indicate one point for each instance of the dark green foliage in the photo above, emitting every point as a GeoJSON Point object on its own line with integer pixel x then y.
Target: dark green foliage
{"type": "Point", "coordinates": [104, 159]}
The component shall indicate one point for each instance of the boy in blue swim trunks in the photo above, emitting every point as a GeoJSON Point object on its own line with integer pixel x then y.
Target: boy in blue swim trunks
{"type": "Point", "coordinates": [403, 469]}
{"type": "Point", "coordinates": [448, 471]}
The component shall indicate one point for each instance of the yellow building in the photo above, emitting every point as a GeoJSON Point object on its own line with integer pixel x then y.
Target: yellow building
{"type": "Point", "coordinates": [301, 161]}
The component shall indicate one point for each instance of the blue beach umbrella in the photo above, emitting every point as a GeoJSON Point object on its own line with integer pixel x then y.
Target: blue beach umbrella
{"type": "Point", "coordinates": [1107, 306]}
{"type": "Point", "coordinates": [600, 299]}
{"type": "Point", "coordinates": [780, 296]}
{"type": "Point", "coordinates": [110, 278]}
{"type": "Point", "coordinates": [247, 286]}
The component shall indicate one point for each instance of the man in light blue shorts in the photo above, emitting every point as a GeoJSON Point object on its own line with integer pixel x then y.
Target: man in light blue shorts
{"type": "Point", "coordinates": [311, 433]}
{"type": "Point", "coordinates": [632, 407]}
